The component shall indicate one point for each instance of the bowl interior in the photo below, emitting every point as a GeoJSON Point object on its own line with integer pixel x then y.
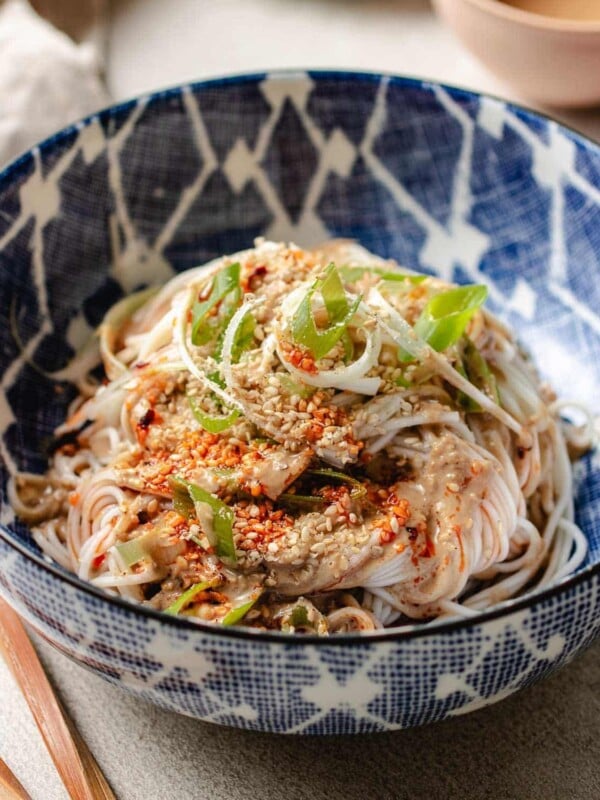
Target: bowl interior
{"type": "Point", "coordinates": [576, 16]}
{"type": "Point", "coordinates": [440, 179]}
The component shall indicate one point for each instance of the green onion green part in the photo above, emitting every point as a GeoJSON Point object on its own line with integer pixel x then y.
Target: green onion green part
{"type": "Point", "coordinates": [299, 617]}
{"type": "Point", "coordinates": [215, 516]}
{"type": "Point", "coordinates": [302, 500]}
{"type": "Point", "coordinates": [400, 277]}
{"type": "Point", "coordinates": [237, 614]}
{"type": "Point", "coordinates": [315, 501]}
{"type": "Point", "coordinates": [182, 501]}
{"type": "Point", "coordinates": [210, 423]}
{"type": "Point", "coordinates": [304, 615]}
{"type": "Point", "coordinates": [226, 282]}
{"type": "Point", "coordinates": [187, 597]}
{"type": "Point", "coordinates": [292, 387]}
{"type": "Point", "coordinates": [353, 274]}
{"type": "Point", "coordinates": [358, 490]}
{"type": "Point", "coordinates": [340, 312]}
{"type": "Point", "coordinates": [217, 378]}
{"type": "Point", "coordinates": [133, 551]}
{"type": "Point", "coordinates": [243, 338]}
{"type": "Point", "coordinates": [446, 315]}
{"type": "Point", "coordinates": [140, 549]}
{"type": "Point", "coordinates": [401, 381]}
{"type": "Point", "coordinates": [348, 347]}
{"type": "Point", "coordinates": [475, 368]}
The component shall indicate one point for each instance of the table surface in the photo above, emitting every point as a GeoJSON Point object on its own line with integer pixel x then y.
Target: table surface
{"type": "Point", "coordinates": [543, 742]}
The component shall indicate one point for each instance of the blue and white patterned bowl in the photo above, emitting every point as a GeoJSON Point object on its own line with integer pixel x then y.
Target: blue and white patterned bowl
{"type": "Point", "coordinates": [442, 180]}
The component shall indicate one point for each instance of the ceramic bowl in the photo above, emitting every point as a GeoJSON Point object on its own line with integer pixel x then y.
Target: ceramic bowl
{"type": "Point", "coordinates": [443, 180]}
{"type": "Point", "coordinates": [549, 60]}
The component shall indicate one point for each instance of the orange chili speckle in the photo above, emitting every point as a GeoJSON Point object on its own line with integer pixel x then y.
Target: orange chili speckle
{"type": "Point", "coordinates": [401, 511]}
{"type": "Point", "coordinates": [418, 292]}
{"type": "Point", "coordinates": [314, 431]}
{"type": "Point", "coordinates": [458, 532]}
{"type": "Point", "coordinates": [151, 417]}
{"type": "Point", "coordinates": [428, 548]}
{"type": "Point", "coordinates": [250, 284]}
{"type": "Point", "coordinates": [98, 561]}
{"type": "Point", "coordinates": [300, 358]}
{"type": "Point", "coordinates": [386, 535]}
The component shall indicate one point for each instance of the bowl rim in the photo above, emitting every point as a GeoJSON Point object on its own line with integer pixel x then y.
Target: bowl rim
{"type": "Point", "coordinates": [532, 19]}
{"type": "Point", "coordinates": [416, 631]}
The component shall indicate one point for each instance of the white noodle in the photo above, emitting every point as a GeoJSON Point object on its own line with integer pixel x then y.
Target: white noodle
{"type": "Point", "coordinates": [518, 535]}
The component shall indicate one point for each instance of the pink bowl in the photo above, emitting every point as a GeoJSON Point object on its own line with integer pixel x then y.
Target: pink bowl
{"type": "Point", "coordinates": [553, 61]}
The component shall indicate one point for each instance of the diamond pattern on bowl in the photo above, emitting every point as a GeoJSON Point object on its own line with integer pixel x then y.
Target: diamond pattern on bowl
{"type": "Point", "coordinates": [291, 160]}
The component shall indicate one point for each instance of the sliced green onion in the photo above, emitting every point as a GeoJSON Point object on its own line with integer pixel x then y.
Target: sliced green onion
{"type": "Point", "coordinates": [314, 501]}
{"type": "Point", "coordinates": [299, 617]}
{"type": "Point", "coordinates": [401, 381]}
{"type": "Point", "coordinates": [304, 329]}
{"type": "Point", "coordinates": [226, 282]}
{"type": "Point", "coordinates": [334, 294]}
{"type": "Point", "coordinates": [210, 423]}
{"type": "Point", "coordinates": [348, 347]}
{"type": "Point", "coordinates": [243, 338]}
{"type": "Point", "coordinates": [302, 500]}
{"type": "Point", "coordinates": [358, 489]}
{"type": "Point", "coordinates": [182, 501]}
{"type": "Point", "coordinates": [237, 614]}
{"type": "Point", "coordinates": [139, 549]}
{"type": "Point", "coordinates": [403, 285]}
{"type": "Point", "coordinates": [446, 315]}
{"type": "Point", "coordinates": [292, 387]}
{"type": "Point", "coordinates": [214, 516]}
{"type": "Point", "coordinates": [479, 371]}
{"type": "Point", "coordinates": [227, 472]}
{"type": "Point", "coordinates": [404, 357]}
{"type": "Point", "coordinates": [187, 597]}
{"type": "Point", "coordinates": [216, 377]}
{"type": "Point", "coordinates": [353, 274]}
{"type": "Point", "coordinates": [466, 402]}
{"type": "Point", "coordinates": [475, 368]}
{"type": "Point", "coordinates": [133, 551]}
{"type": "Point", "coordinates": [401, 277]}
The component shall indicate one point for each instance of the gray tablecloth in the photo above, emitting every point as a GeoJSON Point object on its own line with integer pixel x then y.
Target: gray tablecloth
{"type": "Point", "coordinates": [542, 744]}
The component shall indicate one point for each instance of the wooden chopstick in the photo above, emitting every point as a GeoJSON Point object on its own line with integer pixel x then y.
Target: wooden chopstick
{"type": "Point", "coordinates": [10, 786]}
{"type": "Point", "coordinates": [72, 758]}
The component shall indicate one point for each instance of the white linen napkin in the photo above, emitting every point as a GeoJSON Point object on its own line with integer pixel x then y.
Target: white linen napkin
{"type": "Point", "coordinates": [46, 80]}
